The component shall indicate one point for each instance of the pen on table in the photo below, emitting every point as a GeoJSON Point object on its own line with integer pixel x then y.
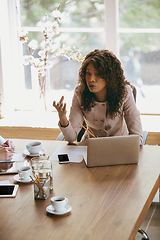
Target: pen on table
{"type": "Point", "coordinates": [34, 180]}
{"type": "Point", "coordinates": [8, 150]}
{"type": "Point", "coordinates": [37, 183]}
{"type": "Point", "coordinates": [87, 130]}
{"type": "Point", "coordinates": [37, 178]}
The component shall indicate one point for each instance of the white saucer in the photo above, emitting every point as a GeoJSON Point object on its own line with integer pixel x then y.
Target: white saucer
{"type": "Point", "coordinates": [50, 209]}
{"type": "Point", "coordinates": [16, 177]}
{"type": "Point", "coordinates": [33, 154]}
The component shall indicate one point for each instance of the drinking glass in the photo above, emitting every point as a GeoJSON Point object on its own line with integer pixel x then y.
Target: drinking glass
{"type": "Point", "coordinates": [35, 162]}
{"type": "Point", "coordinates": [45, 169]}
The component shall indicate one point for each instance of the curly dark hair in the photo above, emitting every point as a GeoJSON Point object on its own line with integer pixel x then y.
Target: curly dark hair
{"type": "Point", "coordinates": [109, 68]}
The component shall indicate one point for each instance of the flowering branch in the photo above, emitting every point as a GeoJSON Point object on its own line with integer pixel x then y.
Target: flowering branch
{"type": "Point", "coordinates": [43, 63]}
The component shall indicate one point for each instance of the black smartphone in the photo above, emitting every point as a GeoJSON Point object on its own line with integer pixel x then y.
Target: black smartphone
{"type": "Point", "coordinates": [63, 158]}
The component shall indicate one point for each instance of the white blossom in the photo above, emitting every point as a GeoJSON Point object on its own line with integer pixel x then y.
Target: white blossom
{"type": "Point", "coordinates": [27, 59]}
{"type": "Point", "coordinates": [54, 46]}
{"type": "Point", "coordinates": [41, 64]}
{"type": "Point", "coordinates": [57, 14]}
{"type": "Point", "coordinates": [42, 54]}
{"type": "Point", "coordinates": [33, 44]}
{"type": "Point", "coordinates": [47, 47]}
{"type": "Point", "coordinates": [55, 25]}
{"type": "Point", "coordinates": [35, 62]}
{"type": "Point", "coordinates": [42, 72]}
{"type": "Point", "coordinates": [47, 24]}
{"type": "Point", "coordinates": [23, 35]}
{"type": "Point", "coordinates": [49, 65]}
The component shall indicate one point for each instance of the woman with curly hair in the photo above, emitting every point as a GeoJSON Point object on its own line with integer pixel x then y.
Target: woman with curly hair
{"type": "Point", "coordinates": [103, 99]}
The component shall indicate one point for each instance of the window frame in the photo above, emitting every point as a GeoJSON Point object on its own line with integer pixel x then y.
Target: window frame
{"type": "Point", "coordinates": [14, 63]}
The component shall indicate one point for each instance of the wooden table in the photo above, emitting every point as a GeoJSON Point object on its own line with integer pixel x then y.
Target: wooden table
{"type": "Point", "coordinates": [107, 202]}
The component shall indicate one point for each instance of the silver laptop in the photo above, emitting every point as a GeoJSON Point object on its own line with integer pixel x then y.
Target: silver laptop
{"type": "Point", "coordinates": [112, 150]}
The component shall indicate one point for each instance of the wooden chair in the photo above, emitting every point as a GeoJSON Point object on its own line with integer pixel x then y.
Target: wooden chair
{"type": "Point", "coordinates": [145, 133]}
{"type": "Point", "coordinates": [80, 134]}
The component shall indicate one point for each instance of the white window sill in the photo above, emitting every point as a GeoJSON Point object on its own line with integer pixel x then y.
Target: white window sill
{"type": "Point", "coordinates": [31, 119]}
{"type": "Point", "coordinates": [50, 119]}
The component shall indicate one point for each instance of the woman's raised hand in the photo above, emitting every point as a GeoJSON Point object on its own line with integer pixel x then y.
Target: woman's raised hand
{"type": "Point", "coordinates": [61, 109]}
{"type": "Point", "coordinates": [60, 106]}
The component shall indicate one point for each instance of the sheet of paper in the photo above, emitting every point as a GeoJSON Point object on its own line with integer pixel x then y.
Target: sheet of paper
{"type": "Point", "coordinates": [6, 182]}
{"type": "Point", "coordinates": [75, 153]}
{"type": "Point", "coordinates": [17, 157]}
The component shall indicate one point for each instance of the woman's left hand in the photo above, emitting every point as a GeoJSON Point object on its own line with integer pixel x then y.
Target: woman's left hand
{"type": "Point", "coordinates": [5, 166]}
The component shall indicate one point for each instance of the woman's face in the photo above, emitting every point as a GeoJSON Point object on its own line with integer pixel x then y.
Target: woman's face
{"type": "Point", "coordinates": [95, 83]}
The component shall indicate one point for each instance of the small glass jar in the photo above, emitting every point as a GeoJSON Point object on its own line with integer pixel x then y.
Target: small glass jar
{"type": "Point", "coordinates": [41, 188]}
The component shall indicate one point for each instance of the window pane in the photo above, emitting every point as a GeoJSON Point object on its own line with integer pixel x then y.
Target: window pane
{"type": "Point", "coordinates": [139, 47]}
{"type": "Point", "coordinates": [141, 66]}
{"type": "Point", "coordinates": [64, 73]}
{"type": "Point", "coordinates": [76, 14]}
{"type": "Point", "coordinates": [84, 13]}
{"type": "Point", "coordinates": [139, 14]}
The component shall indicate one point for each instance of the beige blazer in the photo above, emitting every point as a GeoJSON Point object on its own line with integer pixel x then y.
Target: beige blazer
{"type": "Point", "coordinates": [100, 123]}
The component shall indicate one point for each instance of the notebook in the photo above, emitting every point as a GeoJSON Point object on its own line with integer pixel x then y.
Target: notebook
{"type": "Point", "coordinates": [112, 150]}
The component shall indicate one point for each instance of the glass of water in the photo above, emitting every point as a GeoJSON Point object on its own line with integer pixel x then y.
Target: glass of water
{"type": "Point", "coordinates": [35, 162]}
{"type": "Point", "coordinates": [45, 169]}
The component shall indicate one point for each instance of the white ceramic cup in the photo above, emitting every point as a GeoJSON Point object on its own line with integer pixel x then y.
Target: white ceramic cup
{"type": "Point", "coordinates": [24, 173]}
{"type": "Point", "coordinates": [34, 147]}
{"type": "Point", "coordinates": [59, 203]}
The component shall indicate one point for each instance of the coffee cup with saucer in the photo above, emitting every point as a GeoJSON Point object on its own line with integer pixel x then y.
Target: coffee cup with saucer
{"type": "Point", "coordinates": [24, 174]}
{"type": "Point", "coordinates": [34, 149]}
{"type": "Point", "coordinates": [59, 206]}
